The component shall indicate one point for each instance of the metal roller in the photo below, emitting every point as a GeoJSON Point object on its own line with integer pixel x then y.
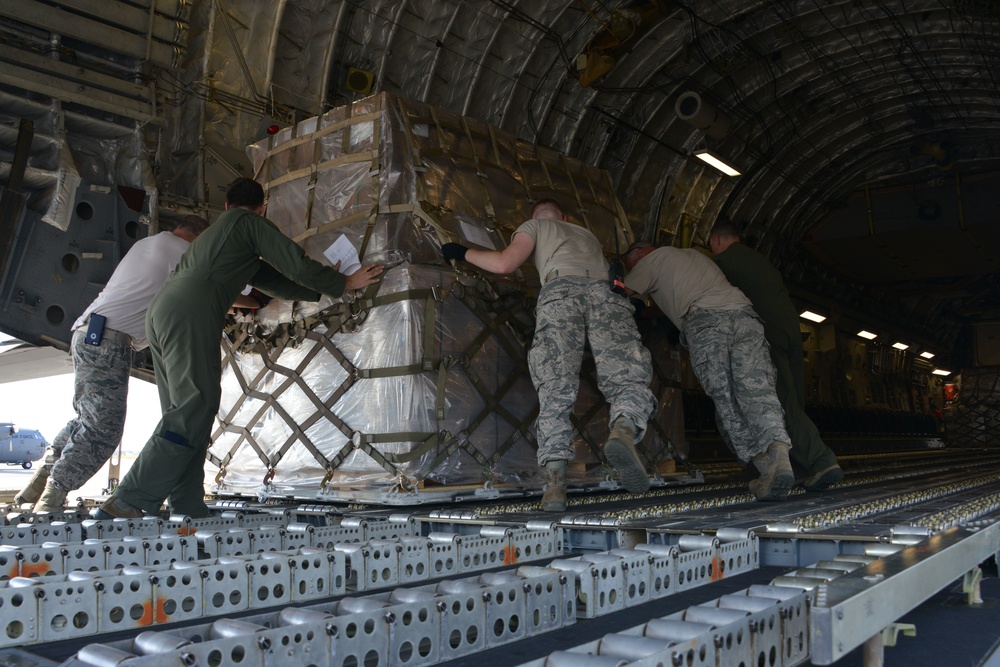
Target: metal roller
{"type": "Point", "coordinates": [100, 655]}
{"type": "Point", "coordinates": [861, 559]}
{"type": "Point", "coordinates": [745, 603]}
{"type": "Point", "coordinates": [79, 575]}
{"type": "Point", "coordinates": [313, 509]}
{"type": "Point", "coordinates": [186, 565]}
{"type": "Point", "coordinates": [714, 615]}
{"type": "Point", "coordinates": [631, 647]}
{"type": "Point", "coordinates": [541, 524]}
{"type": "Point", "coordinates": [569, 659]}
{"type": "Point", "coordinates": [572, 565]}
{"type": "Point", "coordinates": [400, 518]}
{"type": "Point", "coordinates": [697, 542]}
{"type": "Point", "coordinates": [659, 550]}
{"type": "Point", "coordinates": [445, 538]}
{"type": "Point", "coordinates": [780, 593]}
{"type": "Point", "coordinates": [359, 605]}
{"type": "Point", "coordinates": [841, 565]}
{"type": "Point", "coordinates": [354, 522]}
{"type": "Point", "coordinates": [298, 616]}
{"type": "Point", "coordinates": [449, 587]}
{"type": "Point", "coordinates": [921, 531]}
{"type": "Point", "coordinates": [500, 578]}
{"type": "Point", "coordinates": [496, 531]}
{"type": "Point", "coordinates": [155, 643]}
{"type": "Point", "coordinates": [225, 628]}
{"type": "Point", "coordinates": [818, 573]}
{"type": "Point", "coordinates": [22, 582]}
{"type": "Point", "coordinates": [786, 528]}
{"type": "Point", "coordinates": [300, 528]}
{"type": "Point", "coordinates": [803, 583]}
{"type": "Point", "coordinates": [410, 596]}
{"type": "Point", "coordinates": [675, 630]}
{"type": "Point", "coordinates": [882, 549]}
{"type": "Point", "coordinates": [232, 560]}
{"type": "Point", "coordinates": [730, 534]}
{"type": "Point", "coordinates": [632, 553]}
{"type": "Point", "coordinates": [529, 571]}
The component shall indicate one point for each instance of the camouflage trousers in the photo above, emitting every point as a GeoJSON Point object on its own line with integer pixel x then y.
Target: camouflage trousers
{"type": "Point", "coordinates": [730, 358]}
{"type": "Point", "coordinates": [570, 313]}
{"type": "Point", "coordinates": [100, 394]}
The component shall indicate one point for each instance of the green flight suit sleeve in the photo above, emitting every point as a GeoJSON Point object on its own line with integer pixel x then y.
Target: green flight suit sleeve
{"type": "Point", "coordinates": [271, 282]}
{"type": "Point", "coordinates": [290, 260]}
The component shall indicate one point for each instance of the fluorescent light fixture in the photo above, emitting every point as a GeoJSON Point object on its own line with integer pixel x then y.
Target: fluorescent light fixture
{"type": "Point", "coordinates": [710, 159]}
{"type": "Point", "coordinates": [867, 334]}
{"type": "Point", "coordinates": [900, 346]}
{"type": "Point", "coordinates": [811, 316]}
{"type": "Point", "coordinates": [940, 371]}
{"type": "Point", "coordinates": [927, 355]}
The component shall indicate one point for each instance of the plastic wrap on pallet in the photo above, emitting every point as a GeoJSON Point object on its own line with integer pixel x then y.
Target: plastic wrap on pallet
{"type": "Point", "coordinates": [356, 396]}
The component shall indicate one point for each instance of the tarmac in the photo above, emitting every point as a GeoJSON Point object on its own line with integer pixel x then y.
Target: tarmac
{"type": "Point", "coordinates": [13, 479]}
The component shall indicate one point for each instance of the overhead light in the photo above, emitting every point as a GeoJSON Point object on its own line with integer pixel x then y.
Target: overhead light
{"type": "Point", "coordinates": [811, 316]}
{"type": "Point", "coordinates": [927, 355]}
{"type": "Point", "coordinates": [706, 157]}
{"type": "Point", "coordinates": [867, 334]}
{"type": "Point", "coordinates": [900, 346]}
{"type": "Point", "coordinates": [940, 371]}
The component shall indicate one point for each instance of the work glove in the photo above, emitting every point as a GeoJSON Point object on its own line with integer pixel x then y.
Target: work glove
{"type": "Point", "coordinates": [453, 252]}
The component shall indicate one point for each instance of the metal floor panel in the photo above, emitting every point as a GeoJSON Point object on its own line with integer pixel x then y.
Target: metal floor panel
{"type": "Point", "coordinates": [673, 554]}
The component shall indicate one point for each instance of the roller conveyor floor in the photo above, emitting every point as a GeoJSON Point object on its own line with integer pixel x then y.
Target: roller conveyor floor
{"type": "Point", "coordinates": [691, 575]}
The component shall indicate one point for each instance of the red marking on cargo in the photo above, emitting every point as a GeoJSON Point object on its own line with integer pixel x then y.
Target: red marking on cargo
{"type": "Point", "coordinates": [187, 531]}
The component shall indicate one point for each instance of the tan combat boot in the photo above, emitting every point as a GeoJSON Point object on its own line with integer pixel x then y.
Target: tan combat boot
{"type": "Point", "coordinates": [53, 499]}
{"type": "Point", "coordinates": [620, 452]}
{"type": "Point", "coordinates": [554, 498]}
{"type": "Point", "coordinates": [776, 477]}
{"type": "Point", "coordinates": [33, 491]}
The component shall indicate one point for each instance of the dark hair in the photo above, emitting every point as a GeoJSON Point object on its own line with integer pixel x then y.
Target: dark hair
{"type": "Point", "coordinates": [192, 224]}
{"type": "Point", "coordinates": [546, 201]}
{"type": "Point", "coordinates": [245, 192]}
{"type": "Point", "coordinates": [724, 228]}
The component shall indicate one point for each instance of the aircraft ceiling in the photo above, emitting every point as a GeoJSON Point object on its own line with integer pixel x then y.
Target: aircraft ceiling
{"type": "Point", "coordinates": [867, 132]}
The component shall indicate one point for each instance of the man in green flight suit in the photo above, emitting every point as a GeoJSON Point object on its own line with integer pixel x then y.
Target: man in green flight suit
{"type": "Point", "coordinates": [814, 462]}
{"type": "Point", "coordinates": [184, 326]}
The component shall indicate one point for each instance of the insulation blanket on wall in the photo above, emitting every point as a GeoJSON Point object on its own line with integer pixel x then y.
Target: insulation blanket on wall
{"type": "Point", "coordinates": [419, 382]}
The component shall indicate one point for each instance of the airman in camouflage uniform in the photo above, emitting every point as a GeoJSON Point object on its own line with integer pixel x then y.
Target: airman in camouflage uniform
{"type": "Point", "coordinates": [576, 306]}
{"type": "Point", "coordinates": [729, 355]}
{"type": "Point", "coordinates": [102, 370]}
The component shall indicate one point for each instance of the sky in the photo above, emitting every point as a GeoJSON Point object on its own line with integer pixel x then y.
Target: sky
{"type": "Point", "coordinates": [46, 404]}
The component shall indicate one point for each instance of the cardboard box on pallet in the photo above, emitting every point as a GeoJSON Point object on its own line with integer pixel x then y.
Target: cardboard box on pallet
{"type": "Point", "coordinates": [417, 389]}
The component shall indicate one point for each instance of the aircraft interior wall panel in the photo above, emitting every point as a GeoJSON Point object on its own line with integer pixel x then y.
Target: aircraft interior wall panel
{"type": "Point", "coordinates": [55, 274]}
